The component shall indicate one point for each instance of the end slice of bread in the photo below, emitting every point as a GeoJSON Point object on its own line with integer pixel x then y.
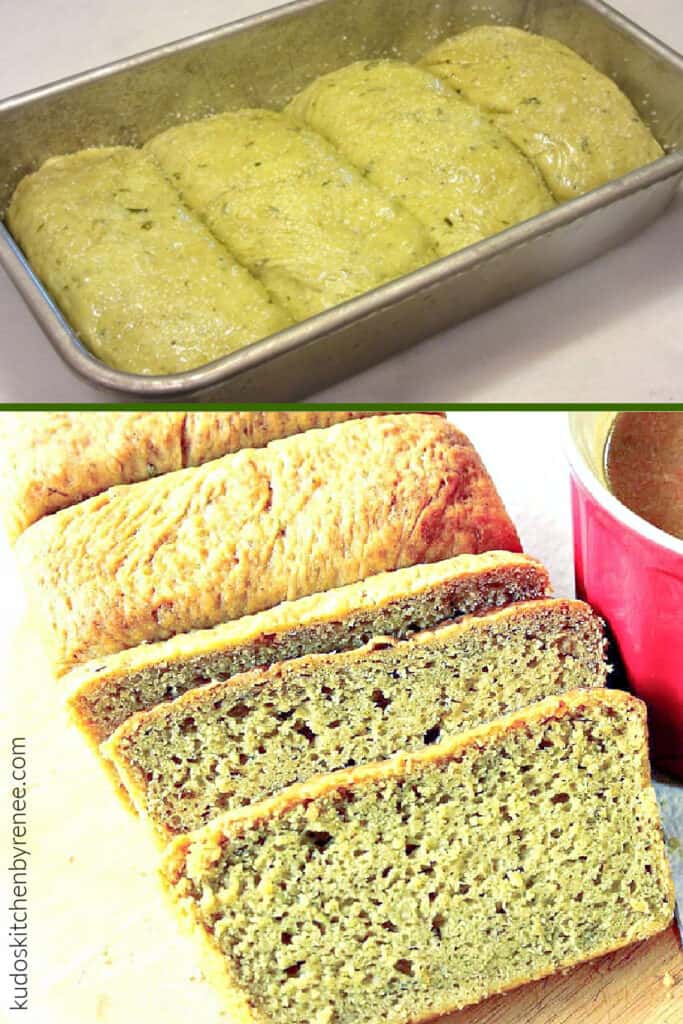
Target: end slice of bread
{"type": "Point", "coordinates": [403, 890]}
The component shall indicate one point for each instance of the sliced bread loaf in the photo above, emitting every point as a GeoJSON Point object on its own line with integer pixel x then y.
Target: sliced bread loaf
{"type": "Point", "coordinates": [400, 891]}
{"type": "Point", "coordinates": [105, 692]}
{"type": "Point", "coordinates": [52, 460]}
{"type": "Point", "coordinates": [230, 743]}
{"type": "Point", "coordinates": [205, 545]}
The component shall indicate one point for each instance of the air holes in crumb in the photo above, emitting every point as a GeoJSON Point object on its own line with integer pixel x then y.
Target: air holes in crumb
{"type": "Point", "coordinates": [463, 889]}
{"type": "Point", "coordinates": [286, 938]}
{"type": "Point", "coordinates": [389, 926]}
{"type": "Point", "coordinates": [432, 735]}
{"type": "Point", "coordinates": [560, 798]}
{"type": "Point", "coordinates": [380, 700]}
{"type": "Point", "coordinates": [295, 970]}
{"type": "Point", "coordinates": [239, 711]}
{"type": "Point", "coordinates": [404, 966]}
{"type": "Point", "coordinates": [282, 716]}
{"type": "Point", "coordinates": [545, 743]}
{"type": "Point", "coordinates": [411, 848]}
{"type": "Point", "coordinates": [318, 840]}
{"type": "Point", "coordinates": [187, 725]}
{"type": "Point", "coordinates": [304, 730]}
{"type": "Point", "coordinates": [438, 921]}
{"type": "Point", "coordinates": [556, 833]}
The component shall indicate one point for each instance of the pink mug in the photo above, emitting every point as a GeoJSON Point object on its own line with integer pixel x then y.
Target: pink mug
{"type": "Point", "coordinates": [632, 574]}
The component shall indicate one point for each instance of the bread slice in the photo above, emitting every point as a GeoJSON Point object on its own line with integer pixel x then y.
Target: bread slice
{"type": "Point", "coordinates": [231, 743]}
{"type": "Point", "coordinates": [400, 891]}
{"type": "Point", "coordinates": [52, 460]}
{"type": "Point", "coordinates": [105, 692]}
{"type": "Point", "coordinates": [205, 545]}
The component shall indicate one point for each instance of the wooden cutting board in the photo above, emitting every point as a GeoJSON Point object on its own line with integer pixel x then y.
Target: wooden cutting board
{"type": "Point", "coordinates": [639, 985]}
{"type": "Point", "coordinates": [105, 948]}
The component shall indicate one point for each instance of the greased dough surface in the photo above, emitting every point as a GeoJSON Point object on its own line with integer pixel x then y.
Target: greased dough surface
{"type": "Point", "coordinates": [142, 280]}
{"type": "Point", "coordinates": [572, 121]}
{"type": "Point", "coordinates": [413, 136]}
{"type": "Point", "coordinates": [302, 219]}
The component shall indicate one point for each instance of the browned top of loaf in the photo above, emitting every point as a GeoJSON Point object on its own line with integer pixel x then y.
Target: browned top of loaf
{"type": "Point", "coordinates": [206, 545]}
{"type": "Point", "coordinates": [55, 459]}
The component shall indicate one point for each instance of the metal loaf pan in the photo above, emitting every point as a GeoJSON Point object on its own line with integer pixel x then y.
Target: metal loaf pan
{"type": "Point", "coordinates": [263, 61]}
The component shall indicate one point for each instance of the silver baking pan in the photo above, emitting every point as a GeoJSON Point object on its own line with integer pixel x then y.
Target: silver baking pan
{"type": "Point", "coordinates": [263, 61]}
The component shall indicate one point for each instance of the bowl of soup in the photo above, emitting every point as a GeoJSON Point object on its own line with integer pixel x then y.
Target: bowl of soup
{"type": "Point", "coordinates": [626, 473]}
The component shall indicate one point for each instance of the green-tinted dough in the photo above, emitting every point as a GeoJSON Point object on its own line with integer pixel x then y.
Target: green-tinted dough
{"type": "Point", "coordinates": [414, 137]}
{"type": "Point", "coordinates": [140, 278]}
{"type": "Point", "coordinates": [568, 118]}
{"type": "Point", "coordinates": [305, 222]}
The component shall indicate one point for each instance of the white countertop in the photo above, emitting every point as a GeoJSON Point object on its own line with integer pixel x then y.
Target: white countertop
{"type": "Point", "coordinates": [610, 331]}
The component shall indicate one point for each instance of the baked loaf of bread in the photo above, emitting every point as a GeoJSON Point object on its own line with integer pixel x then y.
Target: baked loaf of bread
{"type": "Point", "coordinates": [105, 692]}
{"type": "Point", "coordinates": [414, 137]}
{"type": "Point", "coordinates": [400, 891]}
{"type": "Point", "coordinates": [571, 121]}
{"type": "Point", "coordinates": [304, 221]}
{"type": "Point", "coordinates": [139, 276]}
{"type": "Point", "coordinates": [231, 743]}
{"type": "Point", "coordinates": [205, 545]}
{"type": "Point", "coordinates": [55, 459]}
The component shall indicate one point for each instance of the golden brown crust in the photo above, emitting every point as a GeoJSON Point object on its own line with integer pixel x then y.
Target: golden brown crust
{"type": "Point", "coordinates": [235, 823]}
{"type": "Point", "coordinates": [241, 534]}
{"type": "Point", "coordinates": [117, 748]}
{"type": "Point", "coordinates": [56, 459]}
{"type": "Point", "coordinates": [489, 573]}
{"type": "Point", "coordinates": [214, 965]}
